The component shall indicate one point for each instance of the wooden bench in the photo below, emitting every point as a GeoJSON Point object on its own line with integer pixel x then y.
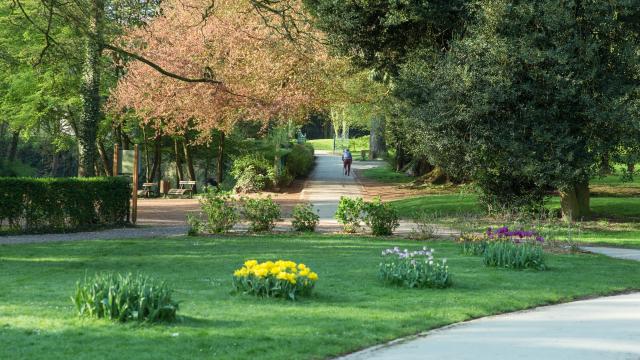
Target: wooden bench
{"type": "Point", "coordinates": [184, 188]}
{"type": "Point", "coordinates": [148, 189]}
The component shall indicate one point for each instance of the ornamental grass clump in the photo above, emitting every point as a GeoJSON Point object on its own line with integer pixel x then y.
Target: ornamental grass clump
{"type": "Point", "coordinates": [125, 298]}
{"type": "Point", "coordinates": [279, 279]}
{"type": "Point", "coordinates": [513, 249]}
{"type": "Point", "coordinates": [414, 269]}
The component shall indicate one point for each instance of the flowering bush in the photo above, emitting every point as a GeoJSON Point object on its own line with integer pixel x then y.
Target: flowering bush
{"type": "Point", "coordinates": [284, 279]}
{"type": "Point", "coordinates": [514, 249]}
{"type": "Point", "coordinates": [414, 269]}
{"type": "Point", "coordinates": [476, 244]}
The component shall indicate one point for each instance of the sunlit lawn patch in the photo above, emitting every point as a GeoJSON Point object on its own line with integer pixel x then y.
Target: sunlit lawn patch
{"type": "Point", "coordinates": [350, 308]}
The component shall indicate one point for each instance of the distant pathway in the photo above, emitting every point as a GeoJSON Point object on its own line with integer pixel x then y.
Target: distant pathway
{"type": "Point", "coordinates": [604, 328]}
{"type": "Point", "coordinates": [327, 183]}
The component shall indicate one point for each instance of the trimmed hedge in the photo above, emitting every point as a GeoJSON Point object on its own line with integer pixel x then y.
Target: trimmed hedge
{"type": "Point", "coordinates": [299, 162]}
{"type": "Point", "coordinates": [62, 204]}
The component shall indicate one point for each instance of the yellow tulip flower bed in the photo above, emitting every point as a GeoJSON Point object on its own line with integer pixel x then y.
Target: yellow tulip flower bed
{"type": "Point", "coordinates": [282, 278]}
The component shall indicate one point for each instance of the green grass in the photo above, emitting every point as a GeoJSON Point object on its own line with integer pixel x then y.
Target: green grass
{"type": "Point", "coordinates": [442, 205]}
{"type": "Point", "coordinates": [349, 310]}
{"type": "Point", "coordinates": [616, 218]}
{"type": "Point", "coordinates": [355, 145]}
{"type": "Point", "coordinates": [385, 174]}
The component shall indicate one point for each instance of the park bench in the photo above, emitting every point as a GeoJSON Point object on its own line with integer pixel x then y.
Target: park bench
{"type": "Point", "coordinates": [184, 188]}
{"type": "Point", "coordinates": [148, 189]}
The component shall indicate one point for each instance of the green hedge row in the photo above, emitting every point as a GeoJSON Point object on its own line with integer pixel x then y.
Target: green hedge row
{"type": "Point", "coordinates": [299, 162]}
{"type": "Point", "coordinates": [62, 204]}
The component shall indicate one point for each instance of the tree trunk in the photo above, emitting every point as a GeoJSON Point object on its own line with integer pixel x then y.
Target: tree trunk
{"type": "Point", "coordinates": [147, 161]}
{"type": "Point", "coordinates": [220, 161]}
{"type": "Point", "coordinates": [377, 143]}
{"type": "Point", "coordinates": [189, 161]}
{"type": "Point", "coordinates": [54, 164]}
{"type": "Point", "coordinates": [90, 92]}
{"type": "Point", "coordinates": [13, 146]}
{"type": "Point", "coordinates": [157, 159]}
{"type": "Point", "coordinates": [3, 130]}
{"type": "Point", "coordinates": [107, 165]}
{"type": "Point", "coordinates": [574, 201]}
{"type": "Point", "coordinates": [179, 173]}
{"type": "Point", "coordinates": [605, 166]}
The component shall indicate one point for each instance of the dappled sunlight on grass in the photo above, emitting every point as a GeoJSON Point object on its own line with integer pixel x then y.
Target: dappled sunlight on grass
{"type": "Point", "coordinates": [348, 310]}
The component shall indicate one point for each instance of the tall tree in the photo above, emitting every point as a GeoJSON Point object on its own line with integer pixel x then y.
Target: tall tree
{"type": "Point", "coordinates": [265, 74]}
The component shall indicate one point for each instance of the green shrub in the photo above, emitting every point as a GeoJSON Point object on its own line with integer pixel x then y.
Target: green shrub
{"type": "Point", "coordinates": [124, 298]}
{"type": "Point", "coordinates": [349, 213]}
{"type": "Point", "coordinates": [381, 217]}
{"type": "Point", "coordinates": [253, 173]}
{"type": "Point", "coordinates": [415, 269]}
{"type": "Point", "coordinates": [220, 212]}
{"type": "Point", "coordinates": [304, 218]}
{"type": "Point", "coordinates": [299, 162]}
{"type": "Point", "coordinates": [262, 214]}
{"type": "Point", "coordinates": [508, 254]}
{"type": "Point", "coordinates": [63, 204]}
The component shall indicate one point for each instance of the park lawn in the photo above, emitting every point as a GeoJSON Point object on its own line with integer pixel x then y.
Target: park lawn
{"type": "Point", "coordinates": [616, 223]}
{"type": "Point", "coordinates": [385, 174]}
{"type": "Point", "coordinates": [355, 145]}
{"type": "Point", "coordinates": [350, 308]}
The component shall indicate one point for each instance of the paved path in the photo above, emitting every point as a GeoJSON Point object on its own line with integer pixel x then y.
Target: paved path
{"type": "Point", "coordinates": [327, 183]}
{"type": "Point", "coordinates": [119, 233]}
{"type": "Point", "coordinates": [604, 328]}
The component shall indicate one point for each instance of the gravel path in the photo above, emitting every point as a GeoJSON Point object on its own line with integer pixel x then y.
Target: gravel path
{"type": "Point", "coordinates": [120, 233]}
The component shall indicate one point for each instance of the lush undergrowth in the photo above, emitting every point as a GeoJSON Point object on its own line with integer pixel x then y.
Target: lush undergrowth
{"type": "Point", "coordinates": [349, 309]}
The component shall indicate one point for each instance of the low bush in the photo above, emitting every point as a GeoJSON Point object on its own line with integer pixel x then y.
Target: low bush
{"type": "Point", "coordinates": [304, 218]}
{"type": "Point", "coordinates": [261, 214]}
{"type": "Point", "coordinates": [381, 217]}
{"type": "Point", "coordinates": [280, 279]}
{"type": "Point", "coordinates": [63, 204]}
{"type": "Point", "coordinates": [349, 213]}
{"type": "Point", "coordinates": [220, 212]}
{"type": "Point", "coordinates": [415, 269]}
{"type": "Point", "coordinates": [299, 162]}
{"type": "Point", "coordinates": [426, 227]}
{"type": "Point", "coordinates": [253, 173]}
{"type": "Point", "coordinates": [125, 298]}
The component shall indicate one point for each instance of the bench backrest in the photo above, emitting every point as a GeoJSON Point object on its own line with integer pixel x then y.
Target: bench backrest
{"type": "Point", "coordinates": [189, 183]}
{"type": "Point", "coordinates": [149, 184]}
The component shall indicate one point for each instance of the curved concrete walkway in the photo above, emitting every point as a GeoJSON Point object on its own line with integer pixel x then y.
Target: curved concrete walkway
{"type": "Point", "coordinates": [604, 328]}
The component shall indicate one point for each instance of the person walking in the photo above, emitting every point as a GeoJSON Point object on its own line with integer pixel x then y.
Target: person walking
{"type": "Point", "coordinates": [346, 161]}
